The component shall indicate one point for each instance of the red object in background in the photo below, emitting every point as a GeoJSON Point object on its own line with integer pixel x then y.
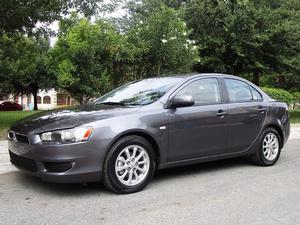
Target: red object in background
{"type": "Point", "coordinates": [10, 106]}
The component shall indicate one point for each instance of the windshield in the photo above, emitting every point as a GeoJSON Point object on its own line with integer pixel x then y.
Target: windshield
{"type": "Point", "coordinates": [141, 92]}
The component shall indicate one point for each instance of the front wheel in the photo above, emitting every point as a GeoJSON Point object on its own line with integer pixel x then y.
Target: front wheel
{"type": "Point", "coordinates": [269, 149]}
{"type": "Point", "coordinates": [129, 165]}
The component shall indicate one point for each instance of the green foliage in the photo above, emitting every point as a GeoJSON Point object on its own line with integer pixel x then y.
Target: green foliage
{"type": "Point", "coordinates": [165, 37]}
{"type": "Point", "coordinates": [23, 65]}
{"type": "Point", "coordinates": [279, 94]}
{"type": "Point", "coordinates": [246, 37]}
{"type": "Point", "coordinates": [296, 96]}
{"type": "Point", "coordinates": [252, 39]}
{"type": "Point", "coordinates": [23, 15]}
{"type": "Point", "coordinates": [91, 58]}
{"type": "Point", "coordinates": [81, 58]}
{"type": "Point", "coordinates": [296, 99]}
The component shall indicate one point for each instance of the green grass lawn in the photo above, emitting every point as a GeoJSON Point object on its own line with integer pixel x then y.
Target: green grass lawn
{"type": "Point", "coordinates": [295, 116]}
{"type": "Point", "coordinates": [8, 118]}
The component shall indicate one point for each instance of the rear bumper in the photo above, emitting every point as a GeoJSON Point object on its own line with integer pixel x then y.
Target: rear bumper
{"type": "Point", "coordinates": [74, 163]}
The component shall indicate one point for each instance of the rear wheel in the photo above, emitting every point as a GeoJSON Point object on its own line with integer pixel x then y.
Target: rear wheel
{"type": "Point", "coordinates": [269, 149]}
{"type": "Point", "coordinates": [129, 165]}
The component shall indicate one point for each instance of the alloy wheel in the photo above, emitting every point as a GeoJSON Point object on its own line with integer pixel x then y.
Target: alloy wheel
{"type": "Point", "coordinates": [270, 146]}
{"type": "Point", "coordinates": [132, 165]}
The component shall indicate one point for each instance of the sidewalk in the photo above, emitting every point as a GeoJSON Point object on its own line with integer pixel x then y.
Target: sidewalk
{"type": "Point", "coordinates": [5, 165]}
{"type": "Point", "coordinates": [295, 132]}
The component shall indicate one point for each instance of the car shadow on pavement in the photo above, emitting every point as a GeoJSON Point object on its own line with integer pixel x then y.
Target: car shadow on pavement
{"type": "Point", "coordinates": [201, 168]}
{"type": "Point", "coordinates": [37, 185]}
{"type": "Point", "coordinates": [41, 186]}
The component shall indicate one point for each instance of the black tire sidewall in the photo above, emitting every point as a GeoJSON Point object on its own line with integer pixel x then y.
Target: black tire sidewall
{"type": "Point", "coordinates": [261, 154]}
{"type": "Point", "coordinates": [112, 157]}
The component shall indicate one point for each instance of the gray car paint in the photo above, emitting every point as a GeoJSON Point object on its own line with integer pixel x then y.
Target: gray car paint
{"type": "Point", "coordinates": [179, 136]}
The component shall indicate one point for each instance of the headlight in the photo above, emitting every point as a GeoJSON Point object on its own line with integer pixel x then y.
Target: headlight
{"type": "Point", "coordinates": [76, 134]}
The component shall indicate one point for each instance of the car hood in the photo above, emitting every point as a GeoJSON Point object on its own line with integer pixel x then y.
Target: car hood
{"type": "Point", "coordinates": [69, 117]}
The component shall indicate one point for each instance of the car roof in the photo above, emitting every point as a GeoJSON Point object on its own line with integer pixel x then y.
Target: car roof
{"type": "Point", "coordinates": [194, 75]}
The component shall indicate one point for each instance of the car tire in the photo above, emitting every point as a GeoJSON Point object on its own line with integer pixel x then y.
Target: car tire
{"type": "Point", "coordinates": [123, 173]}
{"type": "Point", "coordinates": [269, 148]}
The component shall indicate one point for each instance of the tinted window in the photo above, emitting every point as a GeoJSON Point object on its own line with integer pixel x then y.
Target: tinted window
{"type": "Point", "coordinates": [204, 91]}
{"type": "Point", "coordinates": [238, 91]}
{"type": "Point", "coordinates": [255, 94]}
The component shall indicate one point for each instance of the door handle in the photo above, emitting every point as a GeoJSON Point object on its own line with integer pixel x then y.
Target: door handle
{"type": "Point", "coordinates": [261, 109]}
{"type": "Point", "coordinates": [221, 113]}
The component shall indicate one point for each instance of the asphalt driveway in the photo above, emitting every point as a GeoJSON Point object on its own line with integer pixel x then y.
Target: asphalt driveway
{"type": "Point", "coordinates": [224, 192]}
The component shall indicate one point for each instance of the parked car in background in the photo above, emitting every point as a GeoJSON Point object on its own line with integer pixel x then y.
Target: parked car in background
{"type": "Point", "coordinates": [124, 136]}
{"type": "Point", "coordinates": [10, 106]}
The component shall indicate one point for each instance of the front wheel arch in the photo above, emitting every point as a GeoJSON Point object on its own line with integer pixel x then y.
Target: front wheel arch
{"type": "Point", "coordinates": [142, 134]}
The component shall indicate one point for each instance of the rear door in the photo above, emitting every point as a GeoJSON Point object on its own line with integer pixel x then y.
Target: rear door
{"type": "Point", "coordinates": [245, 114]}
{"type": "Point", "coordinates": [199, 130]}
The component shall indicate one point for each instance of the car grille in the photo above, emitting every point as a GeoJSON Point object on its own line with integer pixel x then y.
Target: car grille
{"type": "Point", "coordinates": [18, 137]}
{"type": "Point", "coordinates": [21, 162]}
{"type": "Point", "coordinates": [22, 138]}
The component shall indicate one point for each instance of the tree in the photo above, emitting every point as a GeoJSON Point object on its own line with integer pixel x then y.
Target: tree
{"type": "Point", "coordinates": [23, 15]}
{"type": "Point", "coordinates": [81, 58]}
{"type": "Point", "coordinates": [246, 37]}
{"type": "Point", "coordinates": [165, 36]}
{"type": "Point", "coordinates": [23, 65]}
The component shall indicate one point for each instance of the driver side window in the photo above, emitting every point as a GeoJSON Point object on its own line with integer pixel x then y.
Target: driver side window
{"type": "Point", "coordinates": [204, 91]}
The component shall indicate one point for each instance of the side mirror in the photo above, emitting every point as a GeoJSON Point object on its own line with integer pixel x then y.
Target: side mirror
{"type": "Point", "coordinates": [182, 101]}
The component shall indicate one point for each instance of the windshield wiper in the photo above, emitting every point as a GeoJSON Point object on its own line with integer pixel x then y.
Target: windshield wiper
{"type": "Point", "coordinates": [110, 103]}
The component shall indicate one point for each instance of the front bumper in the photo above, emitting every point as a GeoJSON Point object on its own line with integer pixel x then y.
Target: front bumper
{"type": "Point", "coordinates": [71, 163]}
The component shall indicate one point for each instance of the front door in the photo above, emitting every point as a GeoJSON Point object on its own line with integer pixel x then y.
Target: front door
{"type": "Point", "coordinates": [199, 130]}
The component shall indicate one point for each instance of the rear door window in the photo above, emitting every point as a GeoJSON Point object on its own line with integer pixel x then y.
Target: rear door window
{"type": "Point", "coordinates": [238, 91]}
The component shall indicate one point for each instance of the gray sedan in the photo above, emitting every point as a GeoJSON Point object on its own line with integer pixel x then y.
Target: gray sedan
{"type": "Point", "coordinates": [125, 135]}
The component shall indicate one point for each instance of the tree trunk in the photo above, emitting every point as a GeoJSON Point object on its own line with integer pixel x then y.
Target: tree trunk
{"type": "Point", "coordinates": [35, 105]}
{"type": "Point", "coordinates": [256, 79]}
{"type": "Point", "coordinates": [158, 68]}
{"type": "Point", "coordinates": [117, 73]}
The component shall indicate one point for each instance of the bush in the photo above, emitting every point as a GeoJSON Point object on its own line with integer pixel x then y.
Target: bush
{"type": "Point", "coordinates": [279, 94]}
{"type": "Point", "coordinates": [296, 96]}
{"type": "Point", "coordinates": [296, 99]}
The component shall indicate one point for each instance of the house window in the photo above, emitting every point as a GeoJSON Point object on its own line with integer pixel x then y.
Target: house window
{"type": "Point", "coordinates": [61, 99]}
{"type": "Point", "coordinates": [39, 100]}
{"type": "Point", "coordinates": [46, 100]}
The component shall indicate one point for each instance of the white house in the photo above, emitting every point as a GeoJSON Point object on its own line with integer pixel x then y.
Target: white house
{"type": "Point", "coordinates": [47, 99]}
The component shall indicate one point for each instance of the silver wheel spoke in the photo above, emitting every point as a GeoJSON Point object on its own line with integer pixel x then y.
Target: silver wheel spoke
{"type": "Point", "coordinates": [136, 176]}
{"type": "Point", "coordinates": [121, 159]}
{"type": "Point", "coordinates": [130, 177]}
{"type": "Point", "coordinates": [134, 151]}
{"type": "Point", "coordinates": [121, 168]}
{"type": "Point", "coordinates": [142, 162]}
{"type": "Point", "coordinates": [139, 156]}
{"type": "Point", "coordinates": [127, 154]}
{"type": "Point", "coordinates": [141, 170]}
{"type": "Point", "coordinates": [124, 174]}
